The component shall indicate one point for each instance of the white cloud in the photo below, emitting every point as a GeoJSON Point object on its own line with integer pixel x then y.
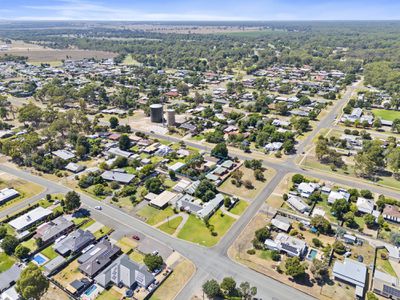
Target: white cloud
{"type": "Point", "coordinates": [87, 10]}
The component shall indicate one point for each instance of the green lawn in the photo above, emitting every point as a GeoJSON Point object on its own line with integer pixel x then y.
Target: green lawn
{"type": "Point", "coordinates": [384, 264]}
{"type": "Point", "coordinates": [196, 231]}
{"type": "Point", "coordinates": [389, 115]}
{"type": "Point", "coordinates": [109, 294]}
{"type": "Point", "coordinates": [171, 226]}
{"type": "Point", "coordinates": [265, 254]}
{"type": "Point", "coordinates": [153, 215]}
{"type": "Point", "coordinates": [31, 244]}
{"type": "Point", "coordinates": [102, 232]}
{"type": "Point", "coordinates": [49, 253]}
{"type": "Point", "coordinates": [86, 225]}
{"type": "Point", "coordinates": [239, 207]}
{"type": "Point", "coordinates": [6, 262]}
{"type": "Point", "coordinates": [137, 257]}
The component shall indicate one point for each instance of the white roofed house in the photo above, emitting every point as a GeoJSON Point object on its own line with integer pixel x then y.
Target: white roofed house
{"type": "Point", "coordinates": [307, 188]}
{"type": "Point", "coordinates": [30, 218]}
{"type": "Point", "coordinates": [290, 245]}
{"type": "Point", "coordinates": [163, 199]}
{"type": "Point", "coordinates": [117, 176]}
{"type": "Point", "coordinates": [298, 204]}
{"type": "Point", "coordinates": [74, 168]}
{"type": "Point", "coordinates": [64, 154]}
{"type": "Point", "coordinates": [365, 206]}
{"type": "Point", "coordinates": [7, 194]}
{"type": "Point", "coordinates": [351, 272]}
{"type": "Point", "coordinates": [337, 195]}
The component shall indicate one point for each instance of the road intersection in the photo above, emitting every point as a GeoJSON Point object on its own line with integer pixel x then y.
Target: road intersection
{"type": "Point", "coordinates": [214, 262]}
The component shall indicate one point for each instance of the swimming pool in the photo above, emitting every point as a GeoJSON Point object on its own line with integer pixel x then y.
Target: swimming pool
{"type": "Point", "coordinates": [312, 254]}
{"type": "Point", "coordinates": [90, 290]}
{"type": "Point", "coordinates": [39, 259]}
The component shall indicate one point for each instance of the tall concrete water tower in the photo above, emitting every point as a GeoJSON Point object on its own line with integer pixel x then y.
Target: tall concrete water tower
{"type": "Point", "coordinates": [171, 117]}
{"type": "Point", "coordinates": [156, 113]}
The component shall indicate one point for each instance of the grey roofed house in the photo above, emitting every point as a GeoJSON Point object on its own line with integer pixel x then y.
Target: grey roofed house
{"type": "Point", "coordinates": [210, 207]}
{"type": "Point", "coordinates": [30, 218]}
{"type": "Point", "coordinates": [54, 264]}
{"type": "Point", "coordinates": [118, 152]}
{"type": "Point", "coordinates": [282, 223]}
{"type": "Point", "coordinates": [386, 285]}
{"type": "Point", "coordinates": [117, 176]}
{"type": "Point", "coordinates": [9, 277]}
{"type": "Point", "coordinates": [124, 271]}
{"type": "Point", "coordinates": [192, 188]}
{"type": "Point", "coordinates": [97, 257]}
{"type": "Point", "coordinates": [7, 194]}
{"type": "Point", "coordinates": [187, 203]}
{"type": "Point", "coordinates": [352, 272]}
{"type": "Point", "coordinates": [298, 204]}
{"type": "Point", "coordinates": [63, 154]}
{"type": "Point", "coordinates": [51, 230]}
{"type": "Point", "coordinates": [74, 168]}
{"type": "Point", "coordinates": [74, 242]}
{"type": "Point", "coordinates": [188, 126]}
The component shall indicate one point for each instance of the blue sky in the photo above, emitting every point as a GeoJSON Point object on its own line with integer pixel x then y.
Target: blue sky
{"type": "Point", "coordinates": [200, 9]}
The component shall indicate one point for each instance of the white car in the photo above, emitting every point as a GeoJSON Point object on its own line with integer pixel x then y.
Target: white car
{"type": "Point", "coordinates": [98, 207]}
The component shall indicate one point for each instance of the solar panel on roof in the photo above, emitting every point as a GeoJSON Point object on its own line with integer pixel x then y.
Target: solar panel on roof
{"type": "Point", "coordinates": [391, 291]}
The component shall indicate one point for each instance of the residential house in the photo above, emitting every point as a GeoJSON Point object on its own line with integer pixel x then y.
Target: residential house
{"type": "Point", "coordinates": [98, 257]}
{"type": "Point", "coordinates": [117, 176]}
{"type": "Point", "coordinates": [74, 168]}
{"type": "Point", "coordinates": [364, 205]}
{"type": "Point", "coordinates": [50, 231]}
{"type": "Point", "coordinates": [30, 218]}
{"type": "Point", "coordinates": [125, 272]}
{"type": "Point", "coordinates": [298, 204]}
{"type": "Point", "coordinates": [282, 223]}
{"type": "Point", "coordinates": [307, 188]}
{"type": "Point", "coordinates": [7, 194]}
{"type": "Point", "coordinates": [163, 199]}
{"type": "Point", "coordinates": [290, 245]}
{"type": "Point", "coordinates": [275, 146]}
{"type": "Point", "coordinates": [74, 242]}
{"type": "Point", "coordinates": [64, 154]}
{"type": "Point", "coordinates": [118, 152]}
{"type": "Point", "coordinates": [351, 272]}
{"type": "Point", "coordinates": [337, 195]}
{"type": "Point", "coordinates": [392, 213]}
{"type": "Point", "coordinates": [211, 206]}
{"type": "Point", "coordinates": [386, 285]}
{"type": "Point", "coordinates": [349, 239]}
{"type": "Point", "coordinates": [9, 277]}
{"type": "Point", "coordinates": [181, 186]}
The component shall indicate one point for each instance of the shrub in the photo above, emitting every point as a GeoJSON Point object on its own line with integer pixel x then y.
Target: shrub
{"type": "Point", "coordinates": [251, 251]}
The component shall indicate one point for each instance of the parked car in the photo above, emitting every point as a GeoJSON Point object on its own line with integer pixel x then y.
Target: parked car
{"type": "Point", "coordinates": [98, 207]}
{"type": "Point", "coordinates": [136, 237]}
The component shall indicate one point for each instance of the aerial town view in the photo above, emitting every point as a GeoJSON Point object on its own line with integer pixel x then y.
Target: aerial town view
{"type": "Point", "coordinates": [199, 149]}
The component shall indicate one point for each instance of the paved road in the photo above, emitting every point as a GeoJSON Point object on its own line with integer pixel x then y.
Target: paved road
{"type": "Point", "coordinates": [214, 262]}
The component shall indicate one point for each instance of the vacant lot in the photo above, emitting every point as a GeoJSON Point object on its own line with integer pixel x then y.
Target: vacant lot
{"type": "Point", "coordinates": [243, 192]}
{"type": "Point", "coordinates": [153, 215]}
{"type": "Point", "coordinates": [197, 232]}
{"type": "Point", "coordinates": [176, 281]}
{"type": "Point", "coordinates": [38, 54]}
{"type": "Point", "coordinates": [171, 226]}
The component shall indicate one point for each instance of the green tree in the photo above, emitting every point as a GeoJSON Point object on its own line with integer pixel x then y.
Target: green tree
{"type": "Point", "coordinates": [220, 150]}
{"type": "Point", "coordinates": [246, 291]}
{"type": "Point", "coordinates": [228, 284]}
{"type": "Point", "coordinates": [321, 224]}
{"type": "Point", "coordinates": [294, 267]}
{"type": "Point", "coordinates": [114, 122]}
{"type": "Point", "coordinates": [211, 288]}
{"type": "Point", "coordinates": [8, 244]}
{"type": "Point", "coordinates": [21, 251]}
{"type": "Point", "coordinates": [339, 247]}
{"type": "Point", "coordinates": [31, 283]}
{"type": "Point", "coordinates": [339, 208]}
{"type": "Point", "coordinates": [124, 142]}
{"type": "Point", "coordinates": [369, 220]}
{"type": "Point", "coordinates": [3, 232]}
{"type": "Point", "coordinates": [72, 201]}
{"type": "Point", "coordinates": [153, 261]}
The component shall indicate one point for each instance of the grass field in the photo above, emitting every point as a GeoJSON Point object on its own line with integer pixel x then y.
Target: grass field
{"type": "Point", "coordinates": [130, 61]}
{"type": "Point", "coordinates": [172, 285]}
{"type": "Point", "coordinates": [241, 191]}
{"type": "Point", "coordinates": [153, 215]}
{"type": "Point", "coordinates": [389, 115]}
{"type": "Point", "coordinates": [102, 232]}
{"type": "Point", "coordinates": [6, 262]}
{"type": "Point", "coordinates": [49, 253]}
{"type": "Point", "coordinates": [171, 226]}
{"type": "Point", "coordinates": [197, 232]}
{"type": "Point", "coordinates": [384, 264]}
{"type": "Point", "coordinates": [239, 208]}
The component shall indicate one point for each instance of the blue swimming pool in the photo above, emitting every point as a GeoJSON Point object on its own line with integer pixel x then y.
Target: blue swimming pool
{"type": "Point", "coordinates": [312, 254]}
{"type": "Point", "coordinates": [90, 290]}
{"type": "Point", "coordinates": [39, 259]}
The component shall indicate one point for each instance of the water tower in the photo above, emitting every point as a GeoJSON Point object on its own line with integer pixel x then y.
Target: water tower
{"type": "Point", "coordinates": [156, 113]}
